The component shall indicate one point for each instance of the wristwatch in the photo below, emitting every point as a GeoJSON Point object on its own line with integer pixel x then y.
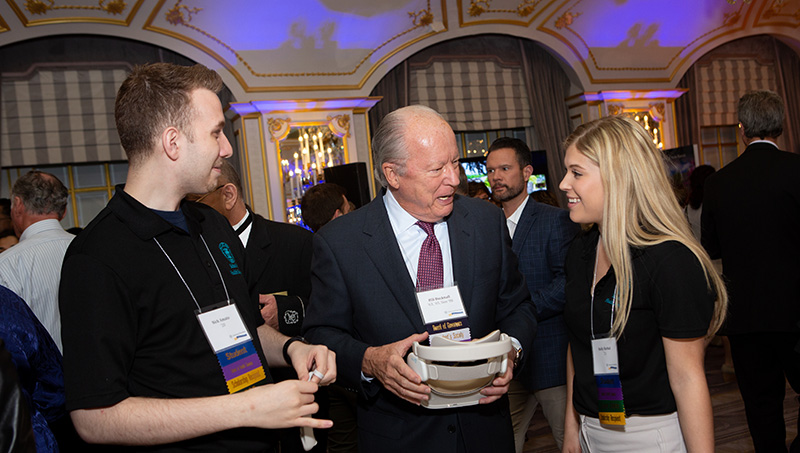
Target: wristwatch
{"type": "Point", "coordinates": [518, 357]}
{"type": "Point", "coordinates": [286, 348]}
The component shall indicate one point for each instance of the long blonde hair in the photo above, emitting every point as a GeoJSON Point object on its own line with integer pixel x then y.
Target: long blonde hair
{"type": "Point", "coordinates": [639, 207]}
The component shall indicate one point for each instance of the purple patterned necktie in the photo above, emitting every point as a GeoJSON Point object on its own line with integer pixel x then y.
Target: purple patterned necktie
{"type": "Point", "coordinates": [430, 271]}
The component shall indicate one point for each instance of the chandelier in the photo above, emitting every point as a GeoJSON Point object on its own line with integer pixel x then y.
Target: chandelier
{"type": "Point", "coordinates": [651, 125]}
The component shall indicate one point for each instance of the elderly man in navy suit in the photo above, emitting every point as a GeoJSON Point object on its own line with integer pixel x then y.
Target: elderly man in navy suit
{"type": "Point", "coordinates": [541, 235]}
{"type": "Point", "coordinates": [363, 303]}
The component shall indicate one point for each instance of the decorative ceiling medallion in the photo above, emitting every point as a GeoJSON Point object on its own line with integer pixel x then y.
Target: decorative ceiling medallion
{"type": "Point", "coordinates": [181, 15]}
{"type": "Point", "coordinates": [566, 19]}
{"type": "Point", "coordinates": [40, 12]}
{"type": "Point", "coordinates": [514, 12]}
{"type": "Point", "coordinates": [479, 7]}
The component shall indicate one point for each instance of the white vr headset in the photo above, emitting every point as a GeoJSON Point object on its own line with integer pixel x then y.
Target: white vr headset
{"type": "Point", "coordinates": [456, 371]}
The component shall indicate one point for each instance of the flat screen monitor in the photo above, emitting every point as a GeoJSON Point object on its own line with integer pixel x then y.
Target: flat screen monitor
{"type": "Point", "coordinates": [475, 168]}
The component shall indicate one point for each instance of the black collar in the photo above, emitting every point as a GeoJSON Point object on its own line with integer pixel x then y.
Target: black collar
{"type": "Point", "coordinates": [246, 223]}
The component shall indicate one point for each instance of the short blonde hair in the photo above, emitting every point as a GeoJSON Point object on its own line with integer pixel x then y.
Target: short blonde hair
{"type": "Point", "coordinates": [639, 207]}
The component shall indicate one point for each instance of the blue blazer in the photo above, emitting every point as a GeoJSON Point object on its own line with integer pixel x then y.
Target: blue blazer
{"type": "Point", "coordinates": [362, 295]}
{"type": "Point", "coordinates": [541, 241]}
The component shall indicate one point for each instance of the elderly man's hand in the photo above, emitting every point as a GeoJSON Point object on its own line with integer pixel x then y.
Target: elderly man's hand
{"type": "Point", "coordinates": [500, 384]}
{"type": "Point", "coordinates": [270, 309]}
{"type": "Point", "coordinates": [386, 364]}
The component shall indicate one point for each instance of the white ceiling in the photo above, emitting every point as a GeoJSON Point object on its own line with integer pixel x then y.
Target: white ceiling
{"type": "Point", "coordinates": [316, 49]}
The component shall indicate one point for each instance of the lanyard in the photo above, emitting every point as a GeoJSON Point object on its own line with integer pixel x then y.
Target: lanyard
{"type": "Point", "coordinates": [594, 284]}
{"type": "Point", "coordinates": [224, 286]}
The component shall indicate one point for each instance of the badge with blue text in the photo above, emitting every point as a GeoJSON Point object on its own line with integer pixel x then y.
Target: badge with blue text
{"type": "Point", "coordinates": [611, 407]}
{"type": "Point", "coordinates": [233, 345]}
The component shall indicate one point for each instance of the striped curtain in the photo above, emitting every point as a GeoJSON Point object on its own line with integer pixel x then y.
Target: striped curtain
{"type": "Point", "coordinates": [721, 83]}
{"type": "Point", "coordinates": [472, 95]}
{"type": "Point", "coordinates": [58, 116]}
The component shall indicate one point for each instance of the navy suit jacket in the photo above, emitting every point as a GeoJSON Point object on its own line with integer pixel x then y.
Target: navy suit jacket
{"type": "Point", "coordinates": [362, 295]}
{"type": "Point", "coordinates": [751, 219]}
{"type": "Point", "coordinates": [541, 241]}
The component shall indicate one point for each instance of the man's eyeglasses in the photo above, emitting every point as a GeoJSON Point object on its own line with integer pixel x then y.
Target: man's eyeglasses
{"type": "Point", "coordinates": [199, 197]}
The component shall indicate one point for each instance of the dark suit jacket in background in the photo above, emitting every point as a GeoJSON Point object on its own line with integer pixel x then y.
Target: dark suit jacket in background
{"type": "Point", "coordinates": [541, 241]}
{"type": "Point", "coordinates": [279, 259]}
{"type": "Point", "coordinates": [751, 219]}
{"type": "Point", "coordinates": [363, 296]}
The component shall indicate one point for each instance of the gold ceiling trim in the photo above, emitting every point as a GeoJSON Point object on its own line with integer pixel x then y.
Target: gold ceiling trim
{"type": "Point", "coordinates": [479, 7]}
{"type": "Point", "coordinates": [775, 10]}
{"type": "Point", "coordinates": [3, 25]}
{"type": "Point", "coordinates": [181, 15]}
{"type": "Point", "coordinates": [289, 88]}
{"type": "Point", "coordinates": [567, 18]}
{"type": "Point", "coordinates": [42, 7]}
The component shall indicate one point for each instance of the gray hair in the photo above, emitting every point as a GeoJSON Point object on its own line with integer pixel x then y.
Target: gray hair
{"type": "Point", "coordinates": [41, 193]}
{"type": "Point", "coordinates": [389, 145]}
{"type": "Point", "coordinates": [761, 114]}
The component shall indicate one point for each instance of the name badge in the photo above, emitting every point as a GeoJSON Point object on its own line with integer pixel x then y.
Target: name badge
{"type": "Point", "coordinates": [443, 313]}
{"type": "Point", "coordinates": [231, 342]}
{"type": "Point", "coordinates": [611, 407]}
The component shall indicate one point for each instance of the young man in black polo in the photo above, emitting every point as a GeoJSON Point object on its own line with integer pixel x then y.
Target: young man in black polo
{"type": "Point", "coordinates": [161, 335]}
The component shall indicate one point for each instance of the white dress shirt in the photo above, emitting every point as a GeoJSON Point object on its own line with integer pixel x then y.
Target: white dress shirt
{"type": "Point", "coordinates": [411, 236]}
{"type": "Point", "coordinates": [32, 269]}
{"type": "Point", "coordinates": [244, 236]}
{"type": "Point", "coordinates": [513, 220]}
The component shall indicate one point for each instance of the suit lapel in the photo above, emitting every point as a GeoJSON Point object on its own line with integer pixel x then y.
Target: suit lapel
{"type": "Point", "coordinates": [526, 221]}
{"type": "Point", "coordinates": [383, 250]}
{"type": "Point", "coordinates": [462, 245]}
{"type": "Point", "coordinates": [257, 244]}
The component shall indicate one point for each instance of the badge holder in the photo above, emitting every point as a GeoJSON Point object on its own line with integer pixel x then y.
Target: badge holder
{"type": "Point", "coordinates": [443, 313]}
{"type": "Point", "coordinates": [611, 406]}
{"type": "Point", "coordinates": [226, 333]}
{"type": "Point", "coordinates": [231, 342]}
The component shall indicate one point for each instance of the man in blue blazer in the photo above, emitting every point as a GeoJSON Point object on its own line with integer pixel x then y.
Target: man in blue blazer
{"type": "Point", "coordinates": [541, 235]}
{"type": "Point", "coordinates": [363, 303]}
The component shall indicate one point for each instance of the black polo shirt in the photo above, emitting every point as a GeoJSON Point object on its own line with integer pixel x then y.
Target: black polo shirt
{"type": "Point", "coordinates": [129, 323]}
{"type": "Point", "coordinates": [670, 299]}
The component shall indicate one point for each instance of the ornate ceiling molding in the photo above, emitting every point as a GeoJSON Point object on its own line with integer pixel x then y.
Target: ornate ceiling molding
{"type": "Point", "coordinates": [44, 12]}
{"type": "Point", "coordinates": [340, 45]}
{"type": "Point", "coordinates": [478, 12]}
{"type": "Point", "coordinates": [778, 13]}
{"type": "Point", "coordinates": [570, 22]}
{"type": "Point", "coordinates": [180, 14]}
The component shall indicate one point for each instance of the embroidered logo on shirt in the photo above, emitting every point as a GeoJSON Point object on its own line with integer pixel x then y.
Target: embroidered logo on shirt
{"type": "Point", "coordinates": [226, 251]}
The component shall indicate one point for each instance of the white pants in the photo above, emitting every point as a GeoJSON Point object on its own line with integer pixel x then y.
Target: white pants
{"type": "Point", "coordinates": [641, 434]}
